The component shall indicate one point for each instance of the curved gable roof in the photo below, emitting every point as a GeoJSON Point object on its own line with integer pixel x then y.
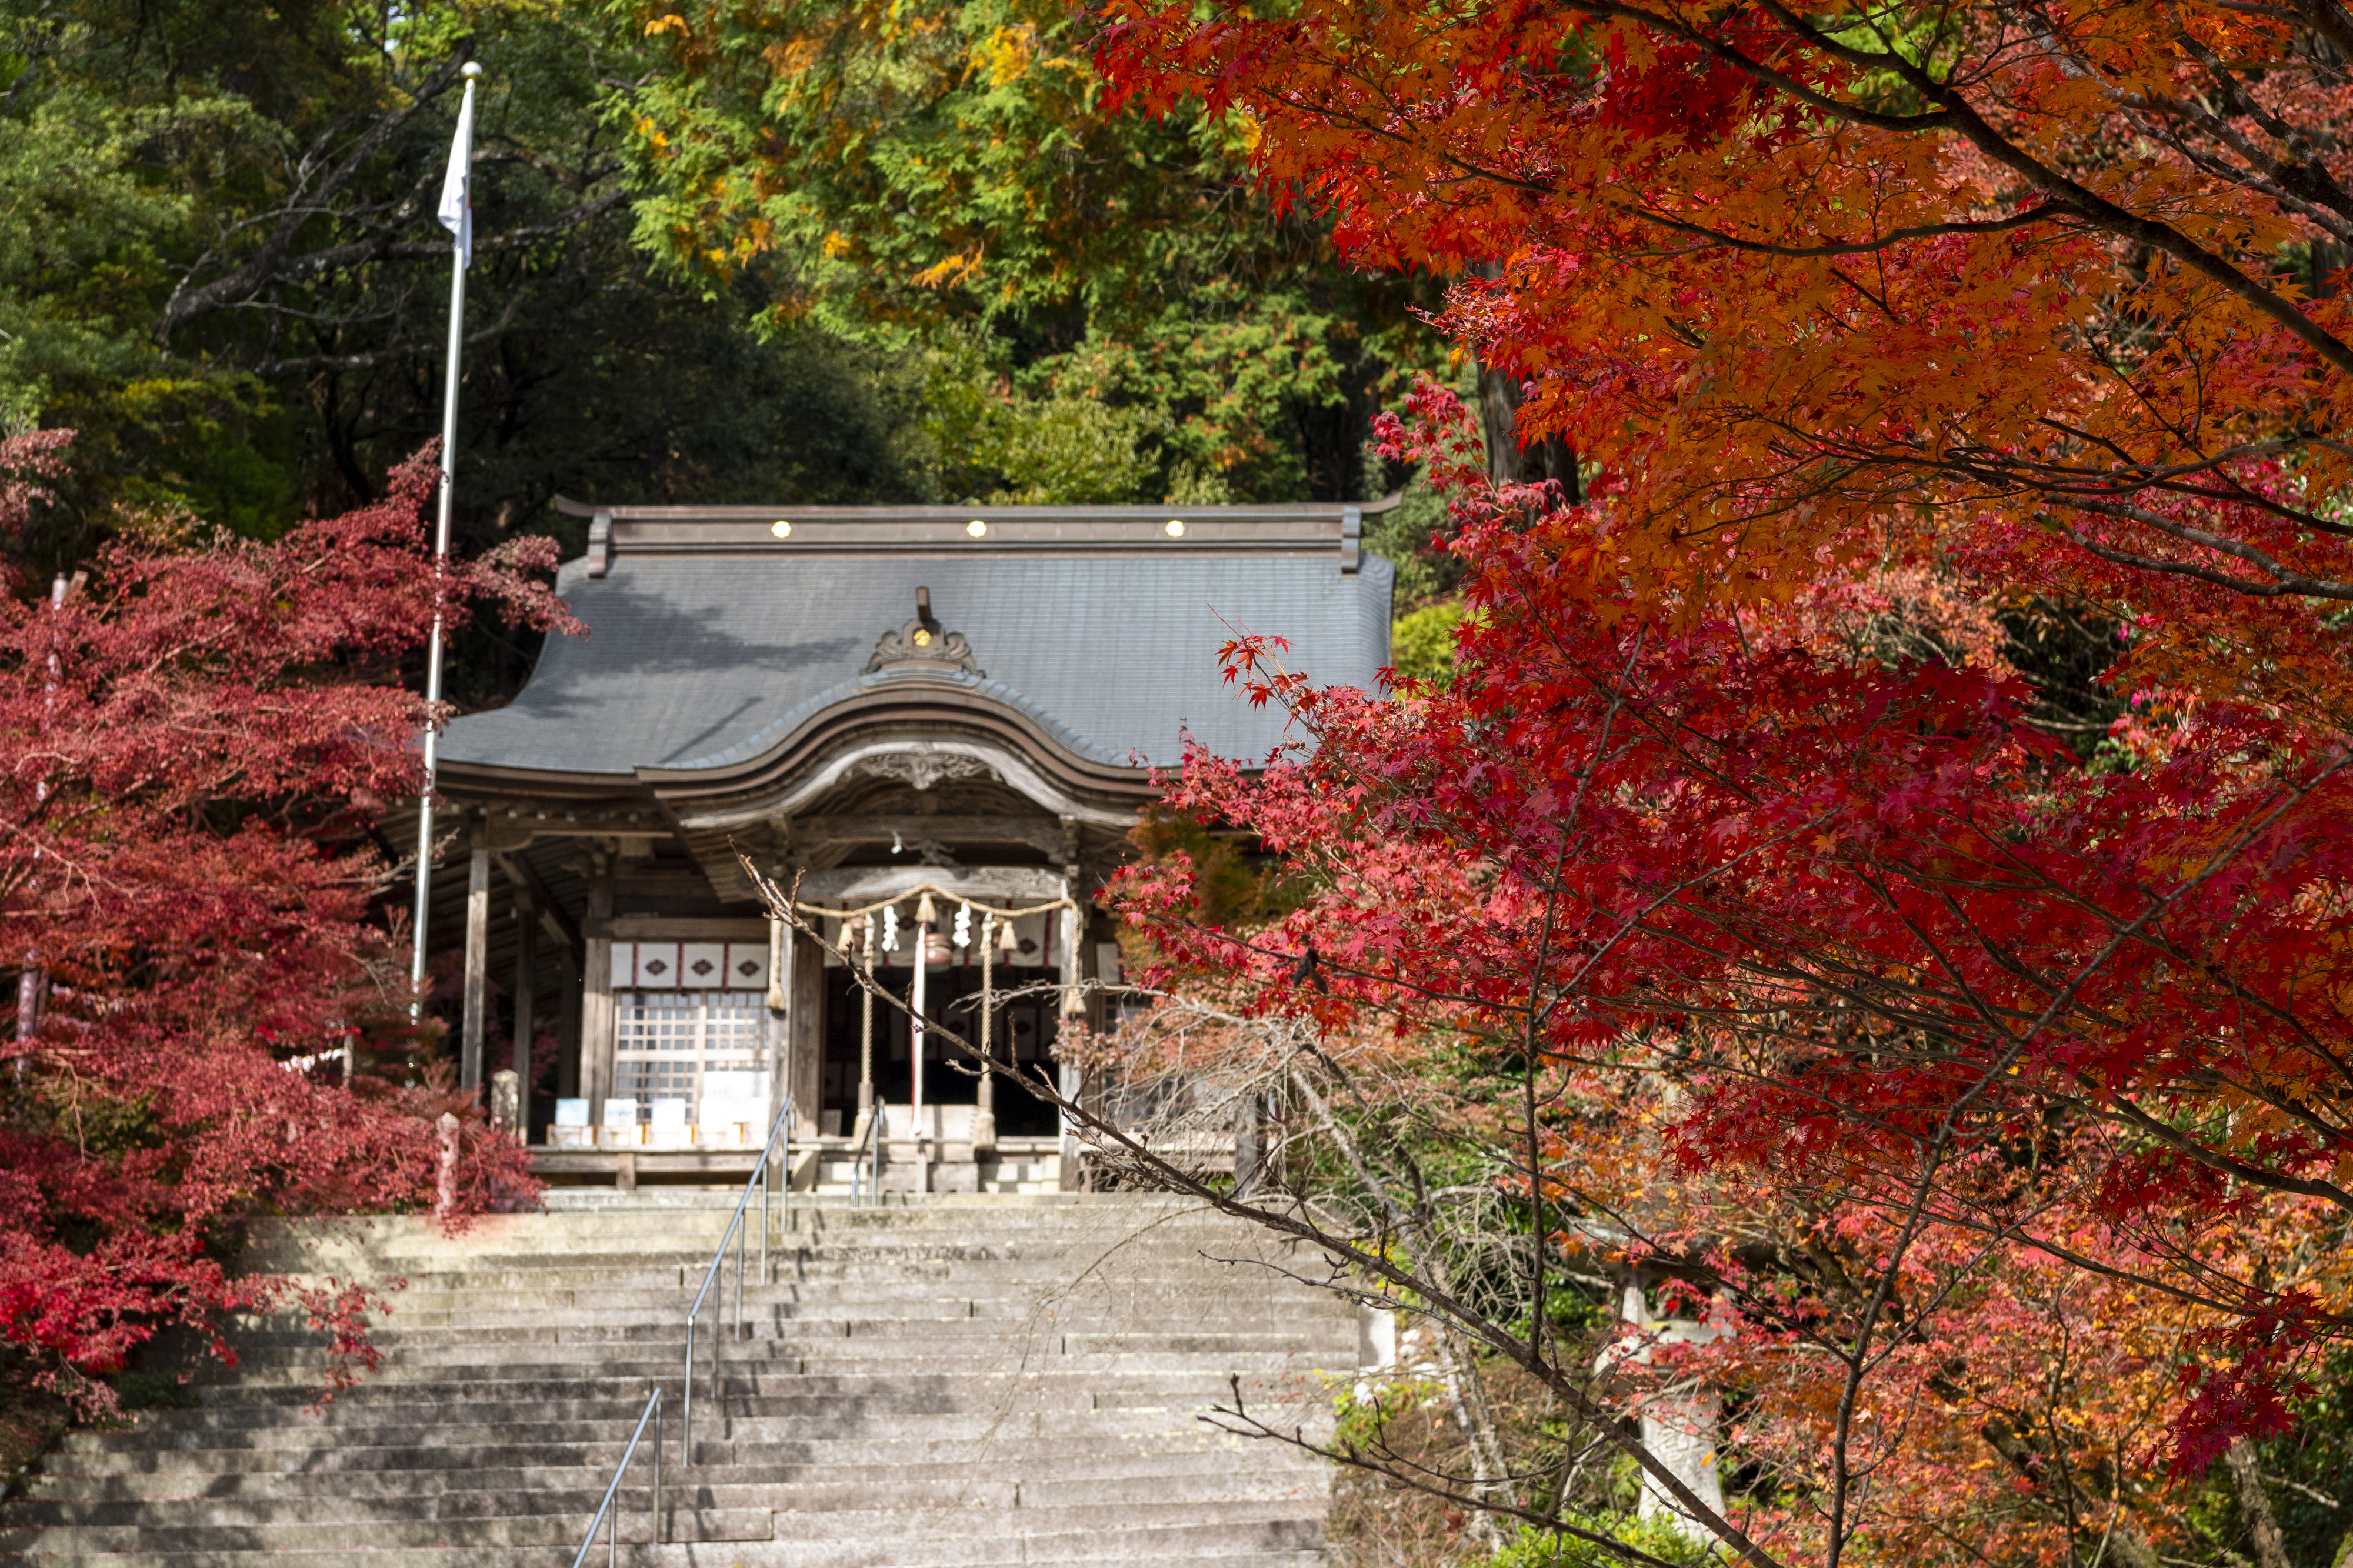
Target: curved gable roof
{"type": "Point", "coordinates": [711, 641]}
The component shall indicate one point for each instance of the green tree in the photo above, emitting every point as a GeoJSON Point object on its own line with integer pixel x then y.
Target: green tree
{"type": "Point", "coordinates": [1110, 310]}
{"type": "Point", "coordinates": [224, 270]}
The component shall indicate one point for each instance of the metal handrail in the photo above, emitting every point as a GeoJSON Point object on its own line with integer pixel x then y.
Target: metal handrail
{"type": "Point", "coordinates": [735, 1232]}
{"type": "Point", "coordinates": [865, 1174]}
{"type": "Point", "coordinates": [605, 1511]}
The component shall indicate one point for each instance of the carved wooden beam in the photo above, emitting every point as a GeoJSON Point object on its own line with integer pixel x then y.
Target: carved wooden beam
{"type": "Point", "coordinates": [1041, 832]}
{"type": "Point", "coordinates": [519, 874]}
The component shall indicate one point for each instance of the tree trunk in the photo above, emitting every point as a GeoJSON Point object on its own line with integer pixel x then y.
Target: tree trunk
{"type": "Point", "coordinates": [2256, 1505]}
{"type": "Point", "coordinates": [1509, 463]}
{"type": "Point", "coordinates": [1467, 1392]}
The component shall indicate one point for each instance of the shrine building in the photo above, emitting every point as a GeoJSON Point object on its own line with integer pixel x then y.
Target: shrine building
{"type": "Point", "coordinates": [902, 711]}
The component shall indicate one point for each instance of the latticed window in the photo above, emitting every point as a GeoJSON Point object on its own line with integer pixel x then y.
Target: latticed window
{"type": "Point", "coordinates": [666, 1041]}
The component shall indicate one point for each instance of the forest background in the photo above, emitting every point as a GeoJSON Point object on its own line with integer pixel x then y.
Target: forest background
{"type": "Point", "coordinates": [932, 266]}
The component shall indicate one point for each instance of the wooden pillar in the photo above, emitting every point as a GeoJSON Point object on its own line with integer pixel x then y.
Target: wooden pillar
{"type": "Point", "coordinates": [477, 963]}
{"type": "Point", "coordinates": [805, 1024]}
{"type": "Point", "coordinates": [1067, 1081]}
{"type": "Point", "coordinates": [780, 1020]}
{"type": "Point", "coordinates": [596, 990]}
{"type": "Point", "coordinates": [567, 1028]}
{"type": "Point", "coordinates": [525, 1025]}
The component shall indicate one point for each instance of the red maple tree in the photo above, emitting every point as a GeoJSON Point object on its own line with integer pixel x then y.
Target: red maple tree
{"type": "Point", "coordinates": [1831, 987]}
{"type": "Point", "coordinates": [1874, 921]}
{"type": "Point", "coordinates": [195, 738]}
{"type": "Point", "coordinates": [2044, 305]}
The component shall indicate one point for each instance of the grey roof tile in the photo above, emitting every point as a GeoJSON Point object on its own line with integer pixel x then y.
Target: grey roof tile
{"type": "Point", "coordinates": [696, 662]}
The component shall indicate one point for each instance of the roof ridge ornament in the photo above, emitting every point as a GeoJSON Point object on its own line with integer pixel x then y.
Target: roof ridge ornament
{"type": "Point", "coordinates": [923, 647]}
{"type": "Point", "coordinates": [920, 768]}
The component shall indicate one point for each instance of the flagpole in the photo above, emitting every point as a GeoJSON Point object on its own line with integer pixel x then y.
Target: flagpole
{"type": "Point", "coordinates": [461, 157]}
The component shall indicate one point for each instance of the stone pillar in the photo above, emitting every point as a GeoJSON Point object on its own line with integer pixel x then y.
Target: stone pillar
{"type": "Point", "coordinates": [445, 1188]}
{"type": "Point", "coordinates": [477, 963]}
{"type": "Point", "coordinates": [506, 1104]}
{"type": "Point", "coordinates": [596, 990]}
{"type": "Point", "coordinates": [1680, 1432]}
{"type": "Point", "coordinates": [1679, 1429]}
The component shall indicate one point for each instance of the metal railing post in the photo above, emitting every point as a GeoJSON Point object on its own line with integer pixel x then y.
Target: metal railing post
{"type": "Point", "coordinates": [738, 1233]}
{"type": "Point", "coordinates": [609, 1512]}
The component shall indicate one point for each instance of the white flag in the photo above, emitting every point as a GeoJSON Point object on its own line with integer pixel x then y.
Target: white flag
{"type": "Point", "coordinates": [457, 186]}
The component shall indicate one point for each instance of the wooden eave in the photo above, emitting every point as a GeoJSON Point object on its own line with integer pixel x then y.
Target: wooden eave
{"type": "Point", "coordinates": [949, 708]}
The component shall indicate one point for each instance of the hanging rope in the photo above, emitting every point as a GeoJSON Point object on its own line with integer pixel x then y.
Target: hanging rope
{"type": "Point", "coordinates": [1072, 1006]}
{"type": "Point", "coordinates": [926, 890]}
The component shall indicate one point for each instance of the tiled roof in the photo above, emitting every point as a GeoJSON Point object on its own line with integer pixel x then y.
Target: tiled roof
{"type": "Point", "coordinates": [700, 661]}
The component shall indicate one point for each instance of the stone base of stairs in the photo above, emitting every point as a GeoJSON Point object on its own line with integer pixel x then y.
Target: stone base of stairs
{"type": "Point", "coordinates": [953, 1380]}
{"type": "Point", "coordinates": [1016, 1165]}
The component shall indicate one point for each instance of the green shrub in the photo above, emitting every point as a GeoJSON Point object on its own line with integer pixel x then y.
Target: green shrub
{"type": "Point", "coordinates": [1421, 644]}
{"type": "Point", "coordinates": [1659, 1535]}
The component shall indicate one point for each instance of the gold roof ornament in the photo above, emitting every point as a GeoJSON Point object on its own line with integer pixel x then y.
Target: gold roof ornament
{"type": "Point", "coordinates": [923, 647]}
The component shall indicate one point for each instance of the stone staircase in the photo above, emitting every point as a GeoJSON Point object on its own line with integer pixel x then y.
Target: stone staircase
{"type": "Point", "coordinates": [969, 1381]}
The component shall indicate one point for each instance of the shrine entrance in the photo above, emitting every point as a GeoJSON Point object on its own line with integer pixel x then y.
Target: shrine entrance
{"type": "Point", "coordinates": [1021, 1038]}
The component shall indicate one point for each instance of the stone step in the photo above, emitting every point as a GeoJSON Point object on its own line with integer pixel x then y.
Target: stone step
{"type": "Point", "coordinates": [629, 1265]}
{"type": "Point", "coordinates": [1084, 1418]}
{"type": "Point", "coordinates": [808, 1297]}
{"type": "Point", "coordinates": [921, 1384]}
{"type": "Point", "coordinates": [567, 1490]}
{"type": "Point", "coordinates": [1290, 1542]}
{"type": "Point", "coordinates": [922, 1321]}
{"type": "Point", "coordinates": [798, 1224]}
{"type": "Point", "coordinates": [546, 1531]}
{"type": "Point", "coordinates": [795, 1227]}
{"type": "Point", "coordinates": [687, 1239]}
{"type": "Point", "coordinates": [928, 1414]}
{"type": "Point", "coordinates": [1032, 1550]}
{"type": "Point", "coordinates": [1203, 1472]}
{"type": "Point", "coordinates": [633, 1274]}
{"type": "Point", "coordinates": [1103, 1453]}
{"type": "Point", "coordinates": [798, 1215]}
{"type": "Point", "coordinates": [801, 1379]}
{"type": "Point", "coordinates": [1225, 1525]}
{"type": "Point", "coordinates": [611, 1354]}
{"type": "Point", "coordinates": [953, 1316]}
{"type": "Point", "coordinates": [698, 1253]}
